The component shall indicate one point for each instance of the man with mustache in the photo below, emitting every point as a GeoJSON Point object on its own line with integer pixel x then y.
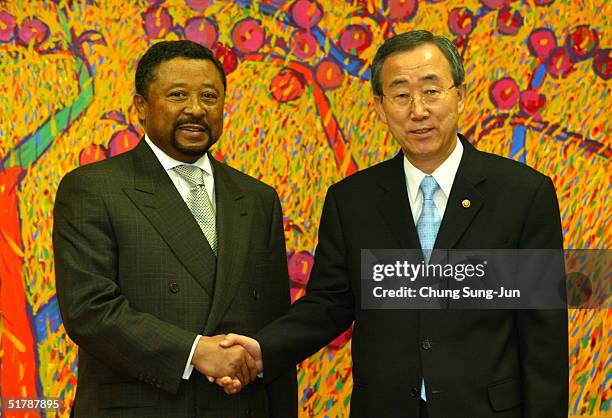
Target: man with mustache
{"type": "Point", "coordinates": [161, 247]}
{"type": "Point", "coordinates": [439, 192]}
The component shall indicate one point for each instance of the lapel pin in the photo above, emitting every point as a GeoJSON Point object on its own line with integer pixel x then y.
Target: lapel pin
{"type": "Point", "coordinates": [466, 203]}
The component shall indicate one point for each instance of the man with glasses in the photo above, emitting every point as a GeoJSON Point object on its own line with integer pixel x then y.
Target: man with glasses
{"type": "Point", "coordinates": [439, 192]}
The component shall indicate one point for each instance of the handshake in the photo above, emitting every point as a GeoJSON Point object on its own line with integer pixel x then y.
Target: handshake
{"type": "Point", "coordinates": [231, 361]}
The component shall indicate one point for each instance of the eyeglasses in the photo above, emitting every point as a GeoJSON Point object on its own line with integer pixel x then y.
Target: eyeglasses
{"type": "Point", "coordinates": [429, 96]}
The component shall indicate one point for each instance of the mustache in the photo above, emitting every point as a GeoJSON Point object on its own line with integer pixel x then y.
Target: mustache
{"type": "Point", "coordinates": [193, 121]}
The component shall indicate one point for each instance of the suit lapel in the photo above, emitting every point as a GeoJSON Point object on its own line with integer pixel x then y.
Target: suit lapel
{"type": "Point", "coordinates": [234, 218]}
{"type": "Point", "coordinates": [458, 217]}
{"type": "Point", "coordinates": [394, 205]}
{"type": "Point", "coordinates": [157, 198]}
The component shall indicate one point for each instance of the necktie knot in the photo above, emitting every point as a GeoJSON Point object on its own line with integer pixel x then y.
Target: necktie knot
{"type": "Point", "coordinates": [193, 174]}
{"type": "Point", "coordinates": [429, 185]}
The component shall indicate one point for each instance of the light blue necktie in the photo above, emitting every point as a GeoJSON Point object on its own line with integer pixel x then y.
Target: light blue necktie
{"type": "Point", "coordinates": [427, 228]}
{"type": "Point", "coordinates": [429, 221]}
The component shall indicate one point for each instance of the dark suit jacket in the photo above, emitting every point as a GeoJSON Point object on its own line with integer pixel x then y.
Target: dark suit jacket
{"type": "Point", "coordinates": [476, 364]}
{"type": "Point", "coordinates": [137, 281]}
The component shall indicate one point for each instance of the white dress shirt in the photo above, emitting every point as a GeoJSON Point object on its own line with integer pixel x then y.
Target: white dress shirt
{"type": "Point", "coordinates": [181, 184]}
{"type": "Point", "coordinates": [184, 188]}
{"type": "Point", "coordinates": [444, 176]}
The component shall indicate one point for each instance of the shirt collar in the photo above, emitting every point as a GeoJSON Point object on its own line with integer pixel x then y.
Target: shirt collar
{"type": "Point", "coordinates": [444, 174]}
{"type": "Point", "coordinates": [169, 163]}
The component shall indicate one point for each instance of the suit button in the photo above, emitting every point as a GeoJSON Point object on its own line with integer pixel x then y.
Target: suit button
{"type": "Point", "coordinates": [255, 294]}
{"type": "Point", "coordinates": [173, 287]}
{"type": "Point", "coordinates": [426, 344]}
{"type": "Point", "coordinates": [414, 392]}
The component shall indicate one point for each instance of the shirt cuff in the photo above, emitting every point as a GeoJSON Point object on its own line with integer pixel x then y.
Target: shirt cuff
{"type": "Point", "coordinates": [189, 366]}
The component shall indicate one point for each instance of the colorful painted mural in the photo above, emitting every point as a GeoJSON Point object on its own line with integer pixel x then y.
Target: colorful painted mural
{"type": "Point", "coordinates": [299, 116]}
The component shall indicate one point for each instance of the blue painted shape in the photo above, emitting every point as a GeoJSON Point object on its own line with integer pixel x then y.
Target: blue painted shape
{"type": "Point", "coordinates": [538, 77]}
{"type": "Point", "coordinates": [518, 142]}
{"type": "Point", "coordinates": [578, 399]}
{"type": "Point", "coordinates": [48, 313]}
{"type": "Point", "coordinates": [304, 397]}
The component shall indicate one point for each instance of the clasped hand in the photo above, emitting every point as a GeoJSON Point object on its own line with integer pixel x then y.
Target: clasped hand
{"type": "Point", "coordinates": [232, 361]}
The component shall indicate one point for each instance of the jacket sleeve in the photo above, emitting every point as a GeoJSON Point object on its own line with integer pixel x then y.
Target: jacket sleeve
{"type": "Point", "coordinates": [542, 334]}
{"type": "Point", "coordinates": [96, 316]}
{"type": "Point", "coordinates": [323, 313]}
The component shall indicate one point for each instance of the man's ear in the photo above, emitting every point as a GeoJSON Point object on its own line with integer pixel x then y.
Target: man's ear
{"type": "Point", "coordinates": [461, 93]}
{"type": "Point", "coordinates": [140, 104]}
{"type": "Point", "coordinates": [379, 108]}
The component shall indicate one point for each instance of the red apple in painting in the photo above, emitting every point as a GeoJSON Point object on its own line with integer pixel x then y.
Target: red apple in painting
{"type": "Point", "coordinates": [541, 42]}
{"type": "Point", "coordinates": [306, 13]}
{"type": "Point", "coordinates": [304, 45]}
{"type": "Point", "coordinates": [401, 9]}
{"type": "Point", "coordinates": [157, 22]}
{"type": "Point", "coordinates": [559, 63]}
{"type": "Point", "coordinates": [248, 35]}
{"type": "Point", "coordinates": [509, 22]}
{"type": "Point", "coordinates": [461, 21]}
{"type": "Point", "coordinates": [354, 39]}
{"type": "Point", "coordinates": [300, 265]}
{"type": "Point", "coordinates": [198, 5]}
{"type": "Point", "coordinates": [227, 56]}
{"type": "Point", "coordinates": [123, 141]}
{"type": "Point", "coordinates": [7, 27]}
{"type": "Point", "coordinates": [582, 43]}
{"type": "Point", "coordinates": [91, 154]}
{"type": "Point", "coordinates": [602, 63]}
{"type": "Point", "coordinates": [532, 102]}
{"type": "Point", "coordinates": [329, 75]}
{"type": "Point", "coordinates": [287, 85]}
{"type": "Point", "coordinates": [504, 93]}
{"type": "Point", "coordinates": [32, 30]}
{"type": "Point", "coordinates": [203, 31]}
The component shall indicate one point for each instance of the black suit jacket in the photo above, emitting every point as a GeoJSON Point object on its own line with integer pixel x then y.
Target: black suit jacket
{"type": "Point", "coordinates": [137, 281]}
{"type": "Point", "coordinates": [476, 364]}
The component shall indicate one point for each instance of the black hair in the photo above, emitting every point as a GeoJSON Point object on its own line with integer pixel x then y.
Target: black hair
{"type": "Point", "coordinates": [165, 51]}
{"type": "Point", "coordinates": [408, 41]}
